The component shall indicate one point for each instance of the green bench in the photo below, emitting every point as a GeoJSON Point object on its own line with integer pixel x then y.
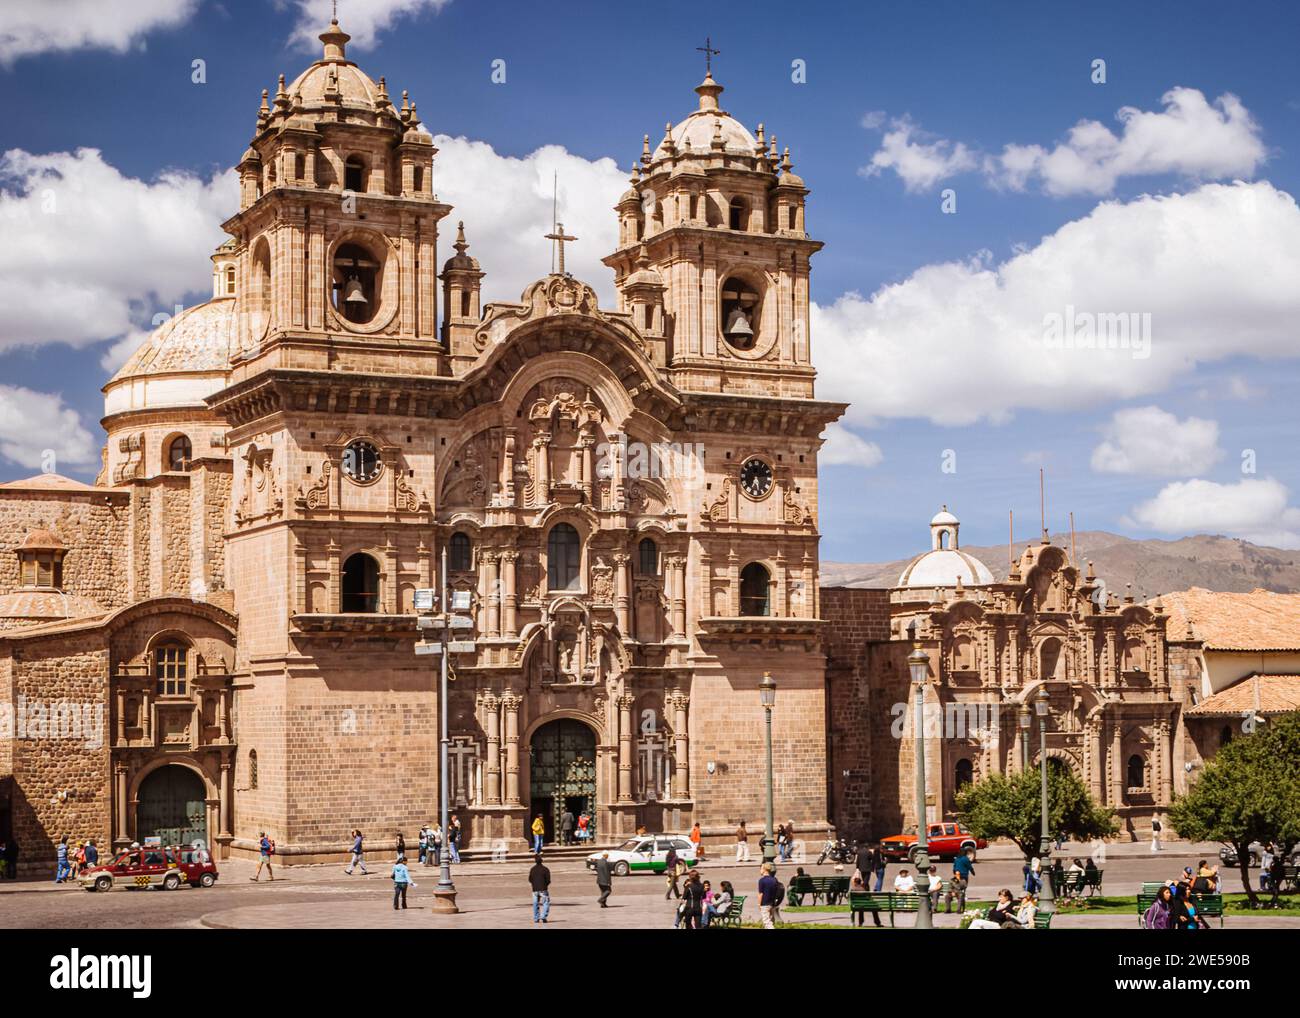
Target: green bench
{"type": "Point", "coordinates": [1208, 905]}
{"type": "Point", "coordinates": [830, 889]}
{"type": "Point", "coordinates": [1043, 920]}
{"type": "Point", "coordinates": [1070, 884]}
{"type": "Point", "coordinates": [891, 902]}
{"type": "Point", "coordinates": [733, 914]}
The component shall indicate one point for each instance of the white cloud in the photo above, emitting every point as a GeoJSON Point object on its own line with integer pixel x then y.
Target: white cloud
{"type": "Point", "coordinates": [958, 342]}
{"type": "Point", "coordinates": [27, 29]}
{"type": "Point", "coordinates": [1148, 440]}
{"type": "Point", "coordinates": [1190, 138]}
{"type": "Point", "coordinates": [843, 447]}
{"type": "Point", "coordinates": [505, 203]}
{"type": "Point", "coordinates": [920, 159]}
{"type": "Point", "coordinates": [1254, 509]}
{"type": "Point", "coordinates": [87, 249]}
{"type": "Point", "coordinates": [34, 424]}
{"type": "Point", "coordinates": [364, 20]}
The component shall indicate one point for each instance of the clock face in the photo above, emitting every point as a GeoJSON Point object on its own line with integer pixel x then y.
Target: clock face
{"type": "Point", "coordinates": [361, 461]}
{"type": "Point", "coordinates": [755, 478]}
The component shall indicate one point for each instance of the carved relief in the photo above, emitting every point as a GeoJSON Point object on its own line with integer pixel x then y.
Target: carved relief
{"type": "Point", "coordinates": [719, 510]}
{"type": "Point", "coordinates": [317, 496]}
{"type": "Point", "coordinates": [261, 498]}
{"type": "Point", "coordinates": [794, 511]}
{"type": "Point", "coordinates": [133, 465]}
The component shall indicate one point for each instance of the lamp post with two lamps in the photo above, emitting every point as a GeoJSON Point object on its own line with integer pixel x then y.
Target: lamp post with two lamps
{"type": "Point", "coordinates": [918, 663]}
{"type": "Point", "coordinates": [1042, 707]}
{"type": "Point", "coordinates": [767, 697]}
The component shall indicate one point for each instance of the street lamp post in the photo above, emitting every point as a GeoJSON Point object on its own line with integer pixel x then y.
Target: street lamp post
{"type": "Point", "coordinates": [1046, 897]}
{"type": "Point", "coordinates": [767, 696]}
{"type": "Point", "coordinates": [1025, 717]}
{"type": "Point", "coordinates": [444, 894]}
{"type": "Point", "coordinates": [918, 663]}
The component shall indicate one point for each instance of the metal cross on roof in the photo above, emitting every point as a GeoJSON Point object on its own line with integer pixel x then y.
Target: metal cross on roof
{"type": "Point", "coordinates": [709, 53]}
{"type": "Point", "coordinates": [559, 236]}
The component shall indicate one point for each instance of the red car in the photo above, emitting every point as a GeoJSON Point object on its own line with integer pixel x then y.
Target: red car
{"type": "Point", "coordinates": [946, 840]}
{"type": "Point", "coordinates": [152, 866]}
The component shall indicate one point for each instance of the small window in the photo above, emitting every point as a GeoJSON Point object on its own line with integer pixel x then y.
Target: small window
{"type": "Point", "coordinates": [299, 168]}
{"type": "Point", "coordinates": [230, 280]}
{"type": "Point", "coordinates": [180, 453]}
{"type": "Point", "coordinates": [791, 216]}
{"type": "Point", "coordinates": [459, 553]}
{"type": "Point", "coordinates": [754, 580]}
{"type": "Point", "coordinates": [169, 666]}
{"type": "Point", "coordinates": [563, 558]}
{"type": "Point", "coordinates": [648, 563]}
{"type": "Point", "coordinates": [464, 304]}
{"type": "Point", "coordinates": [418, 180]}
{"type": "Point", "coordinates": [354, 175]}
{"type": "Point", "coordinates": [739, 214]}
{"type": "Point", "coordinates": [252, 768]}
{"type": "Point", "coordinates": [360, 584]}
{"type": "Point", "coordinates": [1136, 772]}
{"type": "Point", "coordinates": [965, 774]}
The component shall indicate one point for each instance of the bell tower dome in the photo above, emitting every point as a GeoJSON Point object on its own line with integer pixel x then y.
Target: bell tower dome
{"type": "Point", "coordinates": [717, 214]}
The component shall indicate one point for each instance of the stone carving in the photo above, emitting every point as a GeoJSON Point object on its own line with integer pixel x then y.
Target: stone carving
{"type": "Point", "coordinates": [719, 510]}
{"type": "Point", "coordinates": [133, 465]}
{"type": "Point", "coordinates": [602, 581]}
{"type": "Point", "coordinates": [405, 499]}
{"type": "Point", "coordinates": [794, 511]}
{"type": "Point", "coordinates": [262, 497]}
{"type": "Point", "coordinates": [318, 495]}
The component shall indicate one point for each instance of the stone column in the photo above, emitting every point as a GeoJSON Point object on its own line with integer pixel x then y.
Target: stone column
{"type": "Point", "coordinates": [120, 728]}
{"type": "Point", "coordinates": [681, 744]}
{"type": "Point", "coordinates": [625, 748]}
{"type": "Point", "coordinates": [227, 792]}
{"type": "Point", "coordinates": [119, 803]}
{"type": "Point", "coordinates": [492, 716]}
{"type": "Point", "coordinates": [621, 598]}
{"type": "Point", "coordinates": [223, 714]}
{"type": "Point", "coordinates": [588, 443]}
{"type": "Point", "coordinates": [510, 598]}
{"type": "Point", "coordinates": [1095, 772]}
{"type": "Point", "coordinates": [1164, 756]}
{"type": "Point", "coordinates": [510, 702]}
{"type": "Point", "coordinates": [677, 566]}
{"type": "Point", "coordinates": [492, 593]}
{"type": "Point", "coordinates": [1115, 762]}
{"type": "Point", "coordinates": [542, 470]}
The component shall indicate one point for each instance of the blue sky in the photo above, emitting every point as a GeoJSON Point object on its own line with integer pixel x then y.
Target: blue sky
{"type": "Point", "coordinates": [594, 77]}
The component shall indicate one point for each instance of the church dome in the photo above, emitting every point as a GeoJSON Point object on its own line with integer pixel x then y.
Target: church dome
{"type": "Point", "coordinates": [695, 134]}
{"type": "Point", "coordinates": [183, 360]}
{"type": "Point", "coordinates": [944, 565]}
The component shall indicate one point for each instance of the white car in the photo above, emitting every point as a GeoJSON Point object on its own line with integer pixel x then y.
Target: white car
{"type": "Point", "coordinates": [646, 854]}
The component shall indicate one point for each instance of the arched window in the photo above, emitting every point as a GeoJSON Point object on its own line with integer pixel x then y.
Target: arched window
{"type": "Point", "coordinates": [648, 558]}
{"type": "Point", "coordinates": [738, 212]}
{"type": "Point", "coordinates": [260, 302]}
{"type": "Point", "coordinates": [418, 180]}
{"type": "Point", "coordinates": [170, 668]}
{"type": "Point", "coordinates": [360, 584]}
{"type": "Point", "coordinates": [252, 768]}
{"type": "Point", "coordinates": [1050, 661]}
{"type": "Point", "coordinates": [754, 589]}
{"type": "Point", "coordinates": [230, 280]}
{"type": "Point", "coordinates": [179, 453]}
{"type": "Point", "coordinates": [740, 313]}
{"type": "Point", "coordinates": [563, 558]}
{"type": "Point", "coordinates": [965, 774]}
{"type": "Point", "coordinates": [1136, 772]}
{"type": "Point", "coordinates": [354, 174]}
{"type": "Point", "coordinates": [356, 283]}
{"type": "Point", "coordinates": [459, 553]}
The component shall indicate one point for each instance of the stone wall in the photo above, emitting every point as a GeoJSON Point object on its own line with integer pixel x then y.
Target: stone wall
{"type": "Point", "coordinates": [92, 525]}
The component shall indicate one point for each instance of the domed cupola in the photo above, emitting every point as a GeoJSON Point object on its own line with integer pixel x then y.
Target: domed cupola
{"type": "Point", "coordinates": [945, 564]}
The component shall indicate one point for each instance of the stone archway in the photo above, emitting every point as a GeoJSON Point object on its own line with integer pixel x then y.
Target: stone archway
{"type": "Point", "coordinates": [171, 804]}
{"type": "Point", "coordinates": [561, 773]}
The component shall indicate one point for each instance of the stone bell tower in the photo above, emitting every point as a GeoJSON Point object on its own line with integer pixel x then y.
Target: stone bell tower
{"type": "Point", "coordinates": [714, 255]}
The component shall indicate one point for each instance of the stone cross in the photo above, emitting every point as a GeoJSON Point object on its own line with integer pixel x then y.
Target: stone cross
{"type": "Point", "coordinates": [559, 236]}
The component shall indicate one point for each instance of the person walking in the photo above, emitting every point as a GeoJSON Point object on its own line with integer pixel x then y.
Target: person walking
{"type": "Point", "coordinates": [539, 832]}
{"type": "Point", "coordinates": [742, 843]}
{"type": "Point", "coordinates": [566, 827]}
{"type": "Point", "coordinates": [1158, 916]}
{"type": "Point", "coordinates": [265, 849]}
{"type": "Point", "coordinates": [63, 867]}
{"type": "Point", "coordinates": [401, 881]}
{"type": "Point", "coordinates": [453, 838]}
{"type": "Point", "coordinates": [697, 840]}
{"type": "Point", "coordinates": [963, 868]}
{"type": "Point", "coordinates": [1156, 828]}
{"type": "Point", "coordinates": [434, 856]}
{"type": "Point", "coordinates": [401, 844]}
{"type": "Point", "coordinates": [604, 879]}
{"type": "Point", "coordinates": [539, 879]}
{"type": "Point", "coordinates": [584, 826]}
{"type": "Point", "coordinates": [693, 902]}
{"type": "Point", "coordinates": [358, 855]}
{"type": "Point", "coordinates": [424, 843]}
{"type": "Point", "coordinates": [91, 853]}
{"type": "Point", "coordinates": [769, 895]}
{"type": "Point", "coordinates": [877, 867]}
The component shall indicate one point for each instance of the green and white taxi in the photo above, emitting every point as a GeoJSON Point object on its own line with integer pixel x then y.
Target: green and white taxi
{"type": "Point", "coordinates": [647, 854]}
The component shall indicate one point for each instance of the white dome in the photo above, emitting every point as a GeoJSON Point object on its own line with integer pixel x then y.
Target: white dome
{"type": "Point", "coordinates": [695, 134]}
{"type": "Point", "coordinates": [183, 360]}
{"type": "Point", "coordinates": [943, 568]}
{"type": "Point", "coordinates": [943, 516]}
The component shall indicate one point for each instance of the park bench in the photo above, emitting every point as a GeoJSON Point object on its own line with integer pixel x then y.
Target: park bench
{"type": "Point", "coordinates": [1069, 885]}
{"type": "Point", "coordinates": [1210, 906]}
{"type": "Point", "coordinates": [891, 902]}
{"type": "Point", "coordinates": [733, 914]}
{"type": "Point", "coordinates": [1043, 920]}
{"type": "Point", "coordinates": [1092, 881]}
{"type": "Point", "coordinates": [830, 890]}
{"type": "Point", "coordinates": [798, 888]}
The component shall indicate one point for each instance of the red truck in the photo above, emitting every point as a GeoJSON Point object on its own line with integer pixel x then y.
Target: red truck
{"type": "Point", "coordinates": [943, 841]}
{"type": "Point", "coordinates": [152, 866]}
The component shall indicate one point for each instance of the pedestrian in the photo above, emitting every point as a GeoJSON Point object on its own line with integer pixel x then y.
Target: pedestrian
{"type": "Point", "coordinates": [864, 866]}
{"type": "Point", "coordinates": [424, 843]}
{"type": "Point", "coordinates": [566, 827]}
{"type": "Point", "coordinates": [358, 855]}
{"type": "Point", "coordinates": [91, 853]}
{"type": "Point", "coordinates": [453, 838]}
{"type": "Point", "coordinates": [782, 844]}
{"type": "Point", "coordinates": [1157, 917]}
{"type": "Point", "coordinates": [742, 843]}
{"type": "Point", "coordinates": [61, 858]}
{"type": "Point", "coordinates": [265, 849]}
{"type": "Point", "coordinates": [604, 879]}
{"type": "Point", "coordinates": [720, 905]}
{"type": "Point", "coordinates": [539, 832]}
{"type": "Point", "coordinates": [401, 880]}
{"type": "Point", "coordinates": [693, 902]}
{"type": "Point", "coordinates": [769, 895]}
{"type": "Point", "coordinates": [584, 826]}
{"type": "Point", "coordinates": [539, 879]}
{"type": "Point", "coordinates": [435, 846]}
{"type": "Point", "coordinates": [789, 839]}
{"type": "Point", "coordinates": [698, 842]}
{"type": "Point", "coordinates": [1156, 828]}
{"type": "Point", "coordinates": [858, 886]}
{"type": "Point", "coordinates": [672, 874]}
{"type": "Point", "coordinates": [877, 866]}
{"type": "Point", "coordinates": [401, 844]}
{"type": "Point", "coordinates": [963, 868]}
{"type": "Point", "coordinates": [1265, 866]}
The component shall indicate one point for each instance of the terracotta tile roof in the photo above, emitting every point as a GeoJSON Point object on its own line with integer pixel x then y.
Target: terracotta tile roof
{"type": "Point", "coordinates": [49, 482]}
{"type": "Point", "coordinates": [1267, 694]}
{"type": "Point", "coordinates": [1259, 620]}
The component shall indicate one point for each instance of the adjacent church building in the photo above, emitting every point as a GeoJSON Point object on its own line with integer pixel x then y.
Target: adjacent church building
{"type": "Point", "coordinates": [217, 637]}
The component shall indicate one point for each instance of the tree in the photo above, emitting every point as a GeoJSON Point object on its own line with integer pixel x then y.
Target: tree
{"type": "Point", "coordinates": [1003, 806]}
{"type": "Point", "coordinates": [1249, 792]}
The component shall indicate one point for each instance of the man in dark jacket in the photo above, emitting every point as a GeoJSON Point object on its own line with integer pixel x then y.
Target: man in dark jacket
{"type": "Point", "coordinates": [604, 878]}
{"type": "Point", "coordinates": [692, 902]}
{"type": "Point", "coordinates": [539, 878]}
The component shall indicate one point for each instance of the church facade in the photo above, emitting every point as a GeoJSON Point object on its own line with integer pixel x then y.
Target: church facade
{"type": "Point", "coordinates": [627, 495]}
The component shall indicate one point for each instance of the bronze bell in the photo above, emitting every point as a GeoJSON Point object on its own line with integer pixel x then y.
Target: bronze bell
{"type": "Point", "coordinates": [738, 327]}
{"type": "Point", "coordinates": [354, 293]}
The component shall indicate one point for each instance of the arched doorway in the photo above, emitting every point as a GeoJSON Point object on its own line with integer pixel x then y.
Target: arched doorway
{"type": "Point", "coordinates": [172, 807]}
{"type": "Point", "coordinates": [562, 774]}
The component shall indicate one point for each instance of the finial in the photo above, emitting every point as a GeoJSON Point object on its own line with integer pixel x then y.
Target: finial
{"type": "Point", "coordinates": [264, 110]}
{"type": "Point", "coordinates": [461, 245]}
{"type": "Point", "coordinates": [645, 149]}
{"type": "Point", "coordinates": [335, 40]}
{"type": "Point", "coordinates": [636, 173]}
{"type": "Point", "coordinates": [281, 96]}
{"type": "Point", "coordinates": [716, 143]}
{"type": "Point", "coordinates": [708, 90]}
{"type": "Point", "coordinates": [785, 168]}
{"type": "Point", "coordinates": [383, 88]}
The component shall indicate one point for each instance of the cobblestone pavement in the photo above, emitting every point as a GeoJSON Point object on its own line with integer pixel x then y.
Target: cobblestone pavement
{"type": "Point", "coordinates": [496, 895]}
